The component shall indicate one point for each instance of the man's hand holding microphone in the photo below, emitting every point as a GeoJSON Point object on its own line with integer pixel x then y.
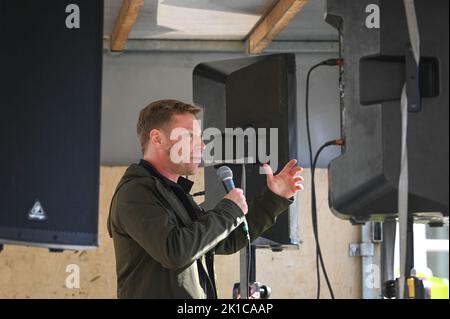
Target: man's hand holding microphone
{"type": "Point", "coordinates": [237, 196]}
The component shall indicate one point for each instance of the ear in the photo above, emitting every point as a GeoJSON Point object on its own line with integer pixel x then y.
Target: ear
{"type": "Point", "coordinates": [155, 137]}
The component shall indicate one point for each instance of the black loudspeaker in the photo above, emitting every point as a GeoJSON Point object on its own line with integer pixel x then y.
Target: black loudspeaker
{"type": "Point", "coordinates": [50, 97]}
{"type": "Point", "coordinates": [255, 93]}
{"type": "Point", "coordinates": [364, 179]}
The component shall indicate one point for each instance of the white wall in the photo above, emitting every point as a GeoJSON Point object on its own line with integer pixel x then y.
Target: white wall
{"type": "Point", "coordinates": [133, 80]}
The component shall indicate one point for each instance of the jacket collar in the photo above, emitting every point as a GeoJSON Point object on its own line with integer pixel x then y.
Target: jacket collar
{"type": "Point", "coordinates": [182, 182]}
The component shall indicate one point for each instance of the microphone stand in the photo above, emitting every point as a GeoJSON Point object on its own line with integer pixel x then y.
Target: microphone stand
{"type": "Point", "coordinates": [247, 256]}
{"type": "Point", "coordinates": [244, 253]}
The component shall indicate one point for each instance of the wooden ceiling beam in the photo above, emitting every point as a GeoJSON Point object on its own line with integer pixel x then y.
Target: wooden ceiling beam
{"type": "Point", "coordinates": [124, 23]}
{"type": "Point", "coordinates": [269, 26]}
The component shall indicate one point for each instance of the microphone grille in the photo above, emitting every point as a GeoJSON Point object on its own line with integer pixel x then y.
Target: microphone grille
{"type": "Point", "coordinates": [224, 172]}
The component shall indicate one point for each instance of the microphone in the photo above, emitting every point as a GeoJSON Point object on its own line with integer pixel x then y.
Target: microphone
{"type": "Point", "coordinates": [225, 176]}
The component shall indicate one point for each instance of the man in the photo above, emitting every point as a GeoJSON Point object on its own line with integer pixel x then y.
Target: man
{"type": "Point", "coordinates": [164, 242]}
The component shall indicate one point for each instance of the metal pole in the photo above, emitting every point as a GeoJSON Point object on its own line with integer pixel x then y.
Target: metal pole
{"type": "Point", "coordinates": [244, 252]}
{"type": "Point", "coordinates": [243, 273]}
{"type": "Point", "coordinates": [370, 272]}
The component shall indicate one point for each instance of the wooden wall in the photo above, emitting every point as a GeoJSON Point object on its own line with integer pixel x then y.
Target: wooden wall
{"type": "Point", "coordinates": [27, 272]}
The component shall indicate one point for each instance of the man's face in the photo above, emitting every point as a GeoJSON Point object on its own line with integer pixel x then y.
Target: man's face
{"type": "Point", "coordinates": [183, 144]}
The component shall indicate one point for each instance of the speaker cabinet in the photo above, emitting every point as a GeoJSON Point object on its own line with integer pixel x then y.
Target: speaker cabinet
{"type": "Point", "coordinates": [257, 93]}
{"type": "Point", "coordinates": [364, 179]}
{"type": "Point", "coordinates": [50, 98]}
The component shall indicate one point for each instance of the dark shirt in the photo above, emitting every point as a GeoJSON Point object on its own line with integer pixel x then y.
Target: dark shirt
{"type": "Point", "coordinates": [181, 189]}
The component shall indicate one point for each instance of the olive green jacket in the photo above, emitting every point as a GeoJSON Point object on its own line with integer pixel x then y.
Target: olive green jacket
{"type": "Point", "coordinates": [156, 254]}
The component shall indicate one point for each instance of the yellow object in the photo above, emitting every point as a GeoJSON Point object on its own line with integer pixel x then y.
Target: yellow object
{"type": "Point", "coordinates": [411, 290]}
{"type": "Point", "coordinates": [439, 287]}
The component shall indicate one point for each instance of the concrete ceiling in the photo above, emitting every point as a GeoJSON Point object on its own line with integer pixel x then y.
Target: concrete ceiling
{"type": "Point", "coordinates": [216, 20]}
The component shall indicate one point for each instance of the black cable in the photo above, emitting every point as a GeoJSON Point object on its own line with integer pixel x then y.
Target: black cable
{"type": "Point", "coordinates": [249, 261]}
{"type": "Point", "coordinates": [314, 207]}
{"type": "Point", "coordinates": [310, 162]}
{"type": "Point", "coordinates": [329, 62]}
{"type": "Point", "coordinates": [308, 134]}
{"type": "Point", "coordinates": [248, 248]}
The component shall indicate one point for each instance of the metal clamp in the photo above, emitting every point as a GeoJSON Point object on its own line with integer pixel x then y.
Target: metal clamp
{"type": "Point", "coordinates": [361, 250]}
